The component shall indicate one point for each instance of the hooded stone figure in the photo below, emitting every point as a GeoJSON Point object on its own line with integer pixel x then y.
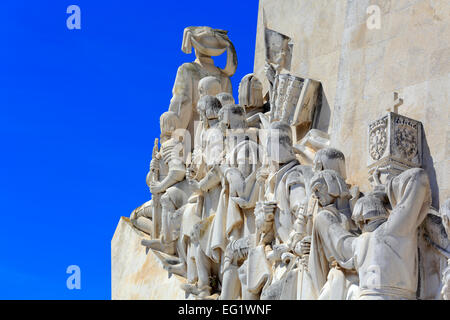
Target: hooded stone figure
{"type": "Point", "coordinates": [207, 42]}
{"type": "Point", "coordinates": [385, 255]}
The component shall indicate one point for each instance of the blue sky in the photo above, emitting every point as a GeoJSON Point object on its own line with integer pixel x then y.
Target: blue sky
{"type": "Point", "coordinates": [79, 113]}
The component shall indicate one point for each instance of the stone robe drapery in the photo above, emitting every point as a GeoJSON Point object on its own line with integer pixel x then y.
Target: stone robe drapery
{"type": "Point", "coordinates": [392, 247]}
{"type": "Point", "coordinates": [329, 241]}
{"type": "Point", "coordinates": [387, 258]}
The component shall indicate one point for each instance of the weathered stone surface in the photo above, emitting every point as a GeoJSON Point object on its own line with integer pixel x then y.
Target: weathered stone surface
{"type": "Point", "coordinates": [320, 184]}
{"type": "Point", "coordinates": [361, 68]}
{"type": "Point", "coordinates": [138, 275]}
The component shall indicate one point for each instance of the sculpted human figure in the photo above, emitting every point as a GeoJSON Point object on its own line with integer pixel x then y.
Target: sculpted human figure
{"type": "Point", "coordinates": [332, 194]}
{"type": "Point", "coordinates": [333, 159]}
{"type": "Point", "coordinates": [170, 187]}
{"type": "Point", "coordinates": [207, 42]}
{"type": "Point", "coordinates": [204, 179]}
{"type": "Point", "coordinates": [303, 205]}
{"type": "Point", "coordinates": [222, 226]}
{"type": "Point", "coordinates": [240, 175]}
{"type": "Point", "coordinates": [280, 195]}
{"type": "Point", "coordinates": [385, 254]}
{"type": "Point", "coordinates": [251, 99]}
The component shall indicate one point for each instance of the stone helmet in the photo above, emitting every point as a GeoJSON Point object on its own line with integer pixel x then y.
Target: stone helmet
{"type": "Point", "coordinates": [367, 209]}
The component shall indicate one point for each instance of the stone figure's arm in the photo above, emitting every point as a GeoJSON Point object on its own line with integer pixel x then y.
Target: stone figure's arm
{"type": "Point", "coordinates": [227, 86]}
{"type": "Point", "coordinates": [181, 102]}
{"type": "Point", "coordinates": [173, 177]}
{"type": "Point", "coordinates": [336, 241]}
{"type": "Point", "coordinates": [410, 196]}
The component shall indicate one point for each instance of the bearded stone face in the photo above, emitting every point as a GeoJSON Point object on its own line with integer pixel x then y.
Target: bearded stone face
{"type": "Point", "coordinates": [320, 192]}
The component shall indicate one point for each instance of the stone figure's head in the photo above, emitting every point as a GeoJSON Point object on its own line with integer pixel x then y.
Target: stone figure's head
{"type": "Point", "coordinates": [327, 186]}
{"type": "Point", "coordinates": [298, 189]}
{"type": "Point", "coordinates": [209, 86]}
{"type": "Point", "coordinates": [246, 156]}
{"type": "Point", "coordinates": [330, 159]}
{"type": "Point", "coordinates": [445, 215]}
{"type": "Point", "coordinates": [208, 108]}
{"type": "Point", "coordinates": [279, 143]}
{"type": "Point", "coordinates": [209, 42]}
{"type": "Point", "coordinates": [250, 92]}
{"type": "Point", "coordinates": [232, 117]}
{"type": "Point", "coordinates": [369, 213]}
{"type": "Point", "coordinates": [169, 123]}
{"type": "Point", "coordinates": [225, 98]}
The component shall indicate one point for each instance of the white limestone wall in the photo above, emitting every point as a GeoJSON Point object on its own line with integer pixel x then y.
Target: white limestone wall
{"type": "Point", "coordinates": [137, 275]}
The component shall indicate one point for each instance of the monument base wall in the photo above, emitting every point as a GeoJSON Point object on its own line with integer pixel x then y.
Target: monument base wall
{"type": "Point", "coordinates": [137, 274]}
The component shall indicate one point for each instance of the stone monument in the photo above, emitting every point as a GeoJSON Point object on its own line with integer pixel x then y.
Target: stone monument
{"type": "Point", "coordinates": [304, 187]}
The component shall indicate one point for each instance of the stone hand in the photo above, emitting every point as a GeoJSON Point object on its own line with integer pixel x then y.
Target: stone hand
{"type": "Point", "coordinates": [155, 187]}
{"type": "Point", "coordinates": [154, 164]}
{"type": "Point", "coordinates": [261, 176]}
{"type": "Point", "coordinates": [376, 174]}
{"type": "Point", "coordinates": [304, 246]}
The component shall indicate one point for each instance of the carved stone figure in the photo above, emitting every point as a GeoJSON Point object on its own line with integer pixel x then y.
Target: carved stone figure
{"type": "Point", "coordinates": [329, 187]}
{"type": "Point", "coordinates": [240, 174]}
{"type": "Point", "coordinates": [261, 205]}
{"type": "Point", "coordinates": [207, 42]}
{"type": "Point", "coordinates": [170, 183]}
{"type": "Point", "coordinates": [251, 99]}
{"type": "Point", "coordinates": [385, 254]}
{"type": "Point", "coordinates": [275, 214]}
{"type": "Point", "coordinates": [204, 179]}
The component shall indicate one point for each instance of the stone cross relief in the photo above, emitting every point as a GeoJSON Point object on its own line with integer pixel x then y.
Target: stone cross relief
{"type": "Point", "coordinates": [398, 101]}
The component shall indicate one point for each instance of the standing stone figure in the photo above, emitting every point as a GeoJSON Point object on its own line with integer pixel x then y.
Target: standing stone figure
{"type": "Point", "coordinates": [170, 188]}
{"type": "Point", "coordinates": [207, 42]}
{"type": "Point", "coordinates": [332, 193]}
{"type": "Point", "coordinates": [385, 255]}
